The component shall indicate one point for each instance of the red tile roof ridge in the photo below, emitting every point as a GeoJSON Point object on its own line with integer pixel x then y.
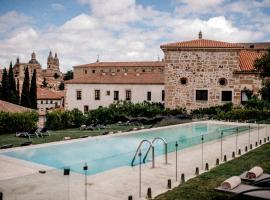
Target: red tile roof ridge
{"type": "Point", "coordinates": [202, 43]}
{"type": "Point", "coordinates": [124, 64]}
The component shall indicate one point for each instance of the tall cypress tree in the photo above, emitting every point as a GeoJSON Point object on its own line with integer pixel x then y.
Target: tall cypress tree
{"type": "Point", "coordinates": [5, 86]}
{"type": "Point", "coordinates": [25, 98]}
{"type": "Point", "coordinates": [18, 91]}
{"type": "Point", "coordinates": [33, 91]}
{"type": "Point", "coordinates": [12, 97]}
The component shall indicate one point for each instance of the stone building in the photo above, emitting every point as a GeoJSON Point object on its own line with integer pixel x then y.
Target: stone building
{"type": "Point", "coordinates": [52, 74]}
{"type": "Point", "coordinates": [202, 73]}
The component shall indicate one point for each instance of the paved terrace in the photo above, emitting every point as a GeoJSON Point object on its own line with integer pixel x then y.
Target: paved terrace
{"type": "Point", "coordinates": [20, 180]}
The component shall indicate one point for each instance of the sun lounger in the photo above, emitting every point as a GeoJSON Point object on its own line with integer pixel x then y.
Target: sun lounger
{"type": "Point", "coordinates": [247, 191]}
{"type": "Point", "coordinates": [248, 180]}
{"type": "Point", "coordinates": [32, 133]}
{"type": "Point", "coordinates": [43, 132]}
{"type": "Point", "coordinates": [234, 186]}
{"type": "Point", "coordinates": [6, 146]}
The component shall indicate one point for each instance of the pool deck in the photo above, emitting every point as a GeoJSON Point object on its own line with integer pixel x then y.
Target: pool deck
{"type": "Point", "coordinates": [21, 180]}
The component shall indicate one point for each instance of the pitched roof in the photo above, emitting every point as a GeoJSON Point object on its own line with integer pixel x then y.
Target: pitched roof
{"type": "Point", "coordinates": [125, 64]}
{"type": "Point", "coordinates": [43, 93]}
{"type": "Point", "coordinates": [201, 43]}
{"type": "Point", "coordinates": [13, 108]}
{"type": "Point", "coordinates": [123, 78]}
{"type": "Point", "coordinates": [247, 59]}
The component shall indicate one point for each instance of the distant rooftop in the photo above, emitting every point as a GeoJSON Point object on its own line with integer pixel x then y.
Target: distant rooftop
{"type": "Point", "coordinates": [13, 108]}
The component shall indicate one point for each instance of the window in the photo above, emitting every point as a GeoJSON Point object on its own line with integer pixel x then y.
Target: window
{"type": "Point", "coordinates": [93, 71]}
{"type": "Point", "coordinates": [85, 109]}
{"type": "Point", "coordinates": [226, 96]}
{"type": "Point", "coordinates": [108, 92]}
{"type": "Point", "coordinates": [244, 97]}
{"type": "Point", "coordinates": [163, 95]}
{"type": "Point", "coordinates": [222, 81]}
{"type": "Point", "coordinates": [51, 102]}
{"type": "Point", "coordinates": [201, 95]}
{"type": "Point", "coordinates": [148, 96]}
{"type": "Point", "coordinates": [41, 102]}
{"type": "Point", "coordinates": [116, 95]}
{"type": "Point", "coordinates": [97, 94]}
{"type": "Point", "coordinates": [85, 71]}
{"type": "Point", "coordinates": [128, 95]}
{"type": "Point", "coordinates": [183, 81]}
{"type": "Point", "coordinates": [79, 94]}
{"type": "Point", "coordinates": [46, 101]}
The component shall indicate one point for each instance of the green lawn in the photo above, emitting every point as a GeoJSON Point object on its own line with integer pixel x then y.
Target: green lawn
{"type": "Point", "coordinates": [59, 135]}
{"type": "Point", "coordinates": [202, 186]}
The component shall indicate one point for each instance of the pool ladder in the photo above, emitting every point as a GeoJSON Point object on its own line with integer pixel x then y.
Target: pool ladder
{"type": "Point", "coordinates": [151, 147]}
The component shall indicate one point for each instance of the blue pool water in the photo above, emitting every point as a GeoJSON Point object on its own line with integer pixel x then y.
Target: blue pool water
{"type": "Point", "coordinates": [105, 153]}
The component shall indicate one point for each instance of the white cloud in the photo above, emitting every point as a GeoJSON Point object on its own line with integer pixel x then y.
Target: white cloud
{"type": "Point", "coordinates": [120, 30]}
{"type": "Point", "coordinates": [12, 20]}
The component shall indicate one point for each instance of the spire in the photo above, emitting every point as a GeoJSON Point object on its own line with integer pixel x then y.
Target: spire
{"type": "Point", "coordinates": [97, 58]}
{"type": "Point", "coordinates": [33, 56]}
{"type": "Point", "coordinates": [18, 60]}
{"type": "Point", "coordinates": [200, 34]}
{"type": "Point", "coordinates": [55, 55]}
{"type": "Point", "coordinates": [50, 54]}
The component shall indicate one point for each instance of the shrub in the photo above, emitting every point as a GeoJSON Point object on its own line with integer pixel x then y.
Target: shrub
{"type": "Point", "coordinates": [244, 114]}
{"type": "Point", "coordinates": [14, 122]}
{"type": "Point", "coordinates": [215, 110]}
{"type": "Point", "coordinates": [59, 119]}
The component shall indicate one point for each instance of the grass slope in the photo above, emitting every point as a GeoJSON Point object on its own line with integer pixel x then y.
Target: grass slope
{"type": "Point", "coordinates": [202, 186]}
{"type": "Point", "coordinates": [59, 135]}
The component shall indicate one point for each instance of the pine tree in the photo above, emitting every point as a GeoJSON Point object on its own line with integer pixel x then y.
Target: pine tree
{"type": "Point", "coordinates": [18, 91]}
{"type": "Point", "coordinates": [25, 98]}
{"type": "Point", "coordinates": [5, 86]}
{"type": "Point", "coordinates": [33, 91]}
{"type": "Point", "coordinates": [12, 96]}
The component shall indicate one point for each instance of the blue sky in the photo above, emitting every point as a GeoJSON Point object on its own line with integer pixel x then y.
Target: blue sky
{"type": "Point", "coordinates": [79, 30]}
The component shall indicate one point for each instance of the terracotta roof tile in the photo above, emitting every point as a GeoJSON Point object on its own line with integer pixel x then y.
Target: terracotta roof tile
{"type": "Point", "coordinates": [13, 108]}
{"type": "Point", "coordinates": [129, 78]}
{"type": "Point", "coordinates": [247, 59]}
{"type": "Point", "coordinates": [201, 43]}
{"type": "Point", "coordinates": [47, 94]}
{"type": "Point", "coordinates": [125, 64]}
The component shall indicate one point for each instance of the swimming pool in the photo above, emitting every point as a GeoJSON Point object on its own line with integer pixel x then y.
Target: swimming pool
{"type": "Point", "coordinates": [105, 153]}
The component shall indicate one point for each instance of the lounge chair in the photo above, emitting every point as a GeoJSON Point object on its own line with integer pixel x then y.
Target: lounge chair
{"type": "Point", "coordinates": [234, 186]}
{"type": "Point", "coordinates": [43, 132]}
{"type": "Point", "coordinates": [247, 180]}
{"type": "Point", "coordinates": [32, 133]}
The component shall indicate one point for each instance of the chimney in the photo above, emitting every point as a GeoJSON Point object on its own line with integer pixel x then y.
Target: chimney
{"type": "Point", "coordinates": [200, 35]}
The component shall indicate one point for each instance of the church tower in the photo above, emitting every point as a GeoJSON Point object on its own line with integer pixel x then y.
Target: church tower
{"type": "Point", "coordinates": [53, 62]}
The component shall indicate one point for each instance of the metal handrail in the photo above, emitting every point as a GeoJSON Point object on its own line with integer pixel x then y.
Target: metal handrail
{"type": "Point", "coordinates": [153, 150]}
{"type": "Point", "coordinates": [137, 151]}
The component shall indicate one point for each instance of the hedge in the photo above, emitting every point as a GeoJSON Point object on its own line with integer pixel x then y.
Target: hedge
{"type": "Point", "coordinates": [244, 114]}
{"type": "Point", "coordinates": [14, 122]}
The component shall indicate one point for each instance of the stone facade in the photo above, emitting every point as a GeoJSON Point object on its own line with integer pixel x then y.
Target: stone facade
{"type": "Point", "coordinates": [203, 69]}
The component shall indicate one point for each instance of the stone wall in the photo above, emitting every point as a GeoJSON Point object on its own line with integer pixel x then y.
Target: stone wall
{"type": "Point", "coordinates": [203, 69]}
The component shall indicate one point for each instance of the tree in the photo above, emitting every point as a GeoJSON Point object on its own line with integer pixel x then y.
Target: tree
{"type": "Point", "coordinates": [18, 91]}
{"type": "Point", "coordinates": [33, 90]}
{"type": "Point", "coordinates": [5, 85]}
{"type": "Point", "coordinates": [44, 83]}
{"type": "Point", "coordinates": [61, 86]}
{"type": "Point", "coordinates": [68, 75]}
{"type": "Point", "coordinates": [25, 97]}
{"type": "Point", "coordinates": [263, 65]}
{"type": "Point", "coordinates": [12, 92]}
